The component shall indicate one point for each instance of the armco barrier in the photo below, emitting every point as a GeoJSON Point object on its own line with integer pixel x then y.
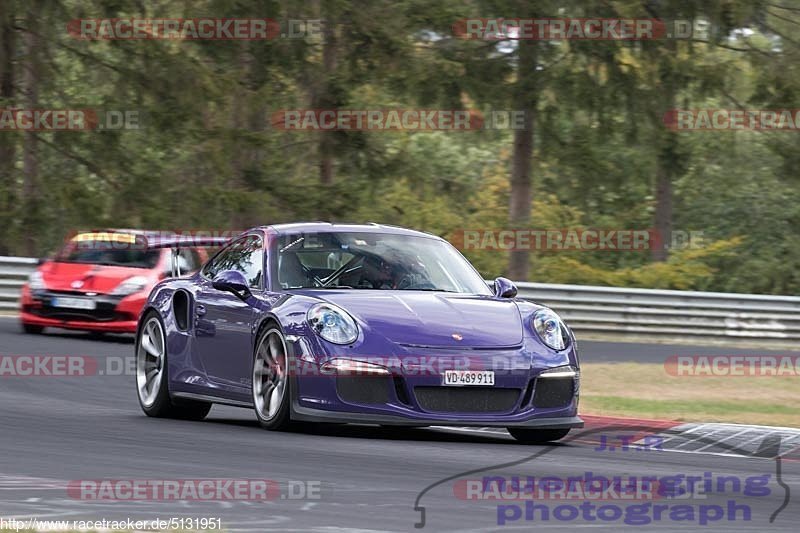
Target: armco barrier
{"type": "Point", "coordinates": [622, 313]}
{"type": "Point", "coordinates": [14, 271]}
{"type": "Point", "coordinates": [671, 314]}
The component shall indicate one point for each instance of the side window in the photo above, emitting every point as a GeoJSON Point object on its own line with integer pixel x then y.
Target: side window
{"type": "Point", "coordinates": [210, 269]}
{"type": "Point", "coordinates": [244, 255]}
{"type": "Point", "coordinates": [188, 260]}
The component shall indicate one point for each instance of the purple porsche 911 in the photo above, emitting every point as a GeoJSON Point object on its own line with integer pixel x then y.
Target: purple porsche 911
{"type": "Point", "coordinates": [367, 324]}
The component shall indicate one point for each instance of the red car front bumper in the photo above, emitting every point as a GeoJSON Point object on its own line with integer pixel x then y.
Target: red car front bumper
{"type": "Point", "coordinates": [120, 317]}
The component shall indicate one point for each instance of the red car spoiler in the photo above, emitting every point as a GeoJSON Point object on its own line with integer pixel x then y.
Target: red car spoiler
{"type": "Point", "coordinates": [176, 242]}
{"type": "Point", "coordinates": [184, 241]}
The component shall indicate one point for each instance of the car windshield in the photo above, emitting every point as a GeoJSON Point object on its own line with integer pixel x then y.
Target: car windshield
{"type": "Point", "coordinates": [108, 251]}
{"type": "Point", "coordinates": [361, 260]}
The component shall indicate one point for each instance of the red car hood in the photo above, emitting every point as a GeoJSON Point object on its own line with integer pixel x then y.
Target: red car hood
{"type": "Point", "coordinates": [94, 278]}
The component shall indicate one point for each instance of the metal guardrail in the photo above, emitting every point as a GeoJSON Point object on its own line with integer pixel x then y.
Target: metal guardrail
{"type": "Point", "coordinates": [588, 309]}
{"type": "Point", "coordinates": [14, 271]}
{"type": "Point", "coordinates": [668, 313]}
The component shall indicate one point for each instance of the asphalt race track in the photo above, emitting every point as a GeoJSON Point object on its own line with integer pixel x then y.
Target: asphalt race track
{"type": "Point", "coordinates": [61, 429]}
{"type": "Point", "coordinates": [604, 352]}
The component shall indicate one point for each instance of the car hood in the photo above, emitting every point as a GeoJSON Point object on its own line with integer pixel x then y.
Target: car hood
{"type": "Point", "coordinates": [92, 278]}
{"type": "Point", "coordinates": [433, 319]}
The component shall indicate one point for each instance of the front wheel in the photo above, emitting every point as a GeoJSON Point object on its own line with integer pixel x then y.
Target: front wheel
{"type": "Point", "coordinates": [537, 436]}
{"type": "Point", "coordinates": [271, 380]}
{"type": "Point", "coordinates": [151, 376]}
{"type": "Point", "coordinates": [32, 328]}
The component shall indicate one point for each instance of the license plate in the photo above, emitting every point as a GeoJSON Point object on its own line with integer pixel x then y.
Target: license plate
{"type": "Point", "coordinates": [73, 303]}
{"type": "Point", "coordinates": [469, 377]}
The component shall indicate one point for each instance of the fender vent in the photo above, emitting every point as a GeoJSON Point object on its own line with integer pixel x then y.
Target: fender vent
{"type": "Point", "coordinates": [180, 308]}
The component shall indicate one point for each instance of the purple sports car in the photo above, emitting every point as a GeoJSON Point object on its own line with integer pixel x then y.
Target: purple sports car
{"type": "Point", "coordinates": [368, 324]}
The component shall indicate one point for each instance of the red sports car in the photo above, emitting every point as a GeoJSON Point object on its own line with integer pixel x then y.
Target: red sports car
{"type": "Point", "coordinates": [100, 280]}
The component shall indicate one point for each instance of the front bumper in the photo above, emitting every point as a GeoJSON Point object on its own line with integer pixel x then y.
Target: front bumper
{"type": "Point", "coordinates": [413, 393]}
{"type": "Point", "coordinates": [307, 414]}
{"type": "Point", "coordinates": [112, 314]}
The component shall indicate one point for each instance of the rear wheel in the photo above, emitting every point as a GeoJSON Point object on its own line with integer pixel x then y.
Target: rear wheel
{"type": "Point", "coordinates": [537, 436]}
{"type": "Point", "coordinates": [271, 380]}
{"type": "Point", "coordinates": [152, 379]}
{"type": "Point", "coordinates": [32, 329]}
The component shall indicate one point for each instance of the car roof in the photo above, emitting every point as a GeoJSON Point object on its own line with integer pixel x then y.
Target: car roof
{"type": "Point", "coordinates": [333, 227]}
{"type": "Point", "coordinates": [293, 228]}
{"type": "Point", "coordinates": [126, 231]}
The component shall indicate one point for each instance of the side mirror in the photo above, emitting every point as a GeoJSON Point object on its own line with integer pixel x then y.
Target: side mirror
{"type": "Point", "coordinates": [232, 281]}
{"type": "Point", "coordinates": [504, 288]}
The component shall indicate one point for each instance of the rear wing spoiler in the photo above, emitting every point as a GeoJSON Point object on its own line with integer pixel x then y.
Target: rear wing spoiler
{"type": "Point", "coordinates": [176, 242]}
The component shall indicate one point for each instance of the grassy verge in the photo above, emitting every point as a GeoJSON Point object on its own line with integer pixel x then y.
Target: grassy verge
{"type": "Point", "coordinates": [645, 390]}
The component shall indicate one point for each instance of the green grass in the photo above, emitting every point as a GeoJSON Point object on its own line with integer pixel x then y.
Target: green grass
{"type": "Point", "coordinates": [662, 408]}
{"type": "Point", "coordinates": [645, 390]}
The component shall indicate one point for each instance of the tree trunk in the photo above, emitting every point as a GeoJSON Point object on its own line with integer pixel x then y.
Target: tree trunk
{"type": "Point", "coordinates": [323, 97]}
{"type": "Point", "coordinates": [663, 213]}
{"type": "Point", "coordinates": [7, 142]}
{"type": "Point", "coordinates": [525, 98]}
{"type": "Point", "coordinates": [240, 123]}
{"type": "Point", "coordinates": [668, 165]}
{"type": "Point", "coordinates": [325, 100]}
{"type": "Point", "coordinates": [329, 66]}
{"type": "Point", "coordinates": [30, 162]}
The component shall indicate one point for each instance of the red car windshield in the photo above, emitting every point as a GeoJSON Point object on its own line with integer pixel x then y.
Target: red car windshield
{"type": "Point", "coordinates": [106, 252]}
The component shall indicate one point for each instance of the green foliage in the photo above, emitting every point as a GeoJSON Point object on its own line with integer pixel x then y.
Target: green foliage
{"type": "Point", "coordinates": [207, 156]}
{"type": "Point", "coordinates": [684, 270]}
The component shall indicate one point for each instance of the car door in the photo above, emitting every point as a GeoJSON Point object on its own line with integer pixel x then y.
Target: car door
{"type": "Point", "coordinates": [223, 331]}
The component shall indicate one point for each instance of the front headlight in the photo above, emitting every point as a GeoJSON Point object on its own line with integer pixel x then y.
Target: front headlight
{"type": "Point", "coordinates": [130, 285]}
{"type": "Point", "coordinates": [332, 324]}
{"type": "Point", "coordinates": [551, 329]}
{"type": "Point", "coordinates": [350, 367]}
{"type": "Point", "coordinates": [36, 281]}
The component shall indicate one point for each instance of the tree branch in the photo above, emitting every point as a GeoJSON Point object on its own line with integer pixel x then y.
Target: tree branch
{"type": "Point", "coordinates": [92, 167]}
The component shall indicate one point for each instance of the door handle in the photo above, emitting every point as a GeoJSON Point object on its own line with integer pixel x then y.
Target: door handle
{"type": "Point", "coordinates": [200, 309]}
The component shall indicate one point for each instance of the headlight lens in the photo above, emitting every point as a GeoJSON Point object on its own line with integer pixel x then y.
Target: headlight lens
{"type": "Point", "coordinates": [551, 329]}
{"type": "Point", "coordinates": [332, 324]}
{"type": "Point", "coordinates": [561, 372]}
{"type": "Point", "coordinates": [36, 281]}
{"type": "Point", "coordinates": [350, 367]}
{"type": "Point", "coordinates": [130, 285]}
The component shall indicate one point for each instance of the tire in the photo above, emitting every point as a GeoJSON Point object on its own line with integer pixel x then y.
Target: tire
{"type": "Point", "coordinates": [271, 383]}
{"type": "Point", "coordinates": [153, 391]}
{"type": "Point", "coordinates": [32, 329]}
{"type": "Point", "coordinates": [537, 436]}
